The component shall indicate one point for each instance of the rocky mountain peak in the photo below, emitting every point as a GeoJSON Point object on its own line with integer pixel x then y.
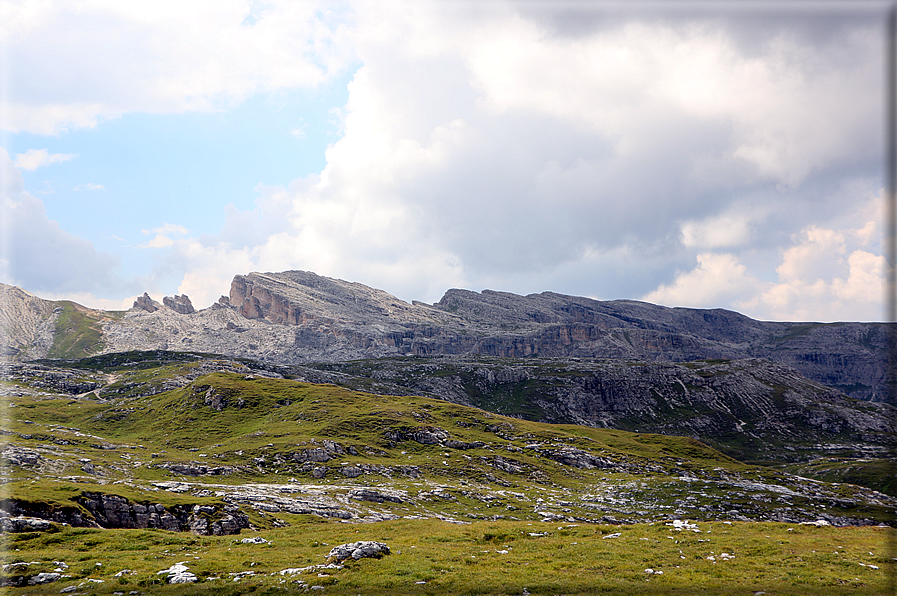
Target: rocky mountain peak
{"type": "Point", "coordinates": [179, 304]}
{"type": "Point", "coordinates": [295, 317]}
{"type": "Point", "coordinates": [146, 303]}
{"type": "Point", "coordinates": [300, 297]}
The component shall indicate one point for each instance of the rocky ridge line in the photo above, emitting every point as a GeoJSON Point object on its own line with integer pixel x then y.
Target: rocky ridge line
{"type": "Point", "coordinates": [297, 317]}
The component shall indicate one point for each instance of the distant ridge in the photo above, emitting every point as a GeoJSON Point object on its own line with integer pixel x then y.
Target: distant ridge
{"type": "Point", "coordinates": [296, 317]}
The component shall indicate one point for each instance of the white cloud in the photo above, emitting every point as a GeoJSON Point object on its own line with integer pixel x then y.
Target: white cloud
{"type": "Point", "coordinates": [89, 186]}
{"type": "Point", "coordinates": [299, 131]}
{"type": "Point", "coordinates": [36, 158]}
{"type": "Point", "coordinates": [865, 281]}
{"type": "Point", "coordinates": [77, 64]}
{"type": "Point", "coordinates": [163, 235]}
{"type": "Point", "coordinates": [823, 276]}
{"type": "Point", "coordinates": [790, 110]}
{"type": "Point", "coordinates": [818, 251]}
{"type": "Point", "coordinates": [481, 148]}
{"type": "Point", "coordinates": [718, 279]}
{"type": "Point", "coordinates": [727, 230]}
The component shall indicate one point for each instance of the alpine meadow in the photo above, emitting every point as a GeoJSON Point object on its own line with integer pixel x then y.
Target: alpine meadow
{"type": "Point", "coordinates": [443, 297]}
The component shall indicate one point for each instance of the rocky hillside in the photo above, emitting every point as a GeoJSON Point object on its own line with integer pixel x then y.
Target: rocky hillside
{"type": "Point", "coordinates": [212, 446]}
{"type": "Point", "coordinates": [26, 323]}
{"type": "Point", "coordinates": [298, 317]}
{"type": "Point", "coordinates": [753, 410]}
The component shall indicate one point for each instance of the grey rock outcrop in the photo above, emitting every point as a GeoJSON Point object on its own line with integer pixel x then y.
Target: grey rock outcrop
{"type": "Point", "coordinates": [26, 324]}
{"type": "Point", "coordinates": [195, 469]}
{"type": "Point", "coordinates": [358, 550]}
{"type": "Point", "coordinates": [376, 495]}
{"type": "Point", "coordinates": [179, 304]}
{"type": "Point", "coordinates": [112, 511]}
{"type": "Point", "coordinates": [19, 575]}
{"type": "Point", "coordinates": [22, 523]}
{"type": "Point", "coordinates": [179, 573]}
{"type": "Point", "coordinates": [43, 578]}
{"type": "Point", "coordinates": [328, 450]}
{"type": "Point", "coordinates": [146, 303]}
{"type": "Point", "coordinates": [297, 317]}
{"type": "Point", "coordinates": [753, 408]}
{"type": "Point", "coordinates": [338, 320]}
{"type": "Point", "coordinates": [55, 379]}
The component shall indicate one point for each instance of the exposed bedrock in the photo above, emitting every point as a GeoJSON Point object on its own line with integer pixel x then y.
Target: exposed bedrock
{"type": "Point", "coordinates": [112, 511]}
{"type": "Point", "coordinates": [297, 317]}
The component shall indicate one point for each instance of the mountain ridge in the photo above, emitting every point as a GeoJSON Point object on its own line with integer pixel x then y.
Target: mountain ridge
{"type": "Point", "coordinates": [298, 317]}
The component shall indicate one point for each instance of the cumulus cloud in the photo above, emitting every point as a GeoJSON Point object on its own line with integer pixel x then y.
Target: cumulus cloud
{"type": "Point", "coordinates": [733, 228]}
{"type": "Point", "coordinates": [36, 158]}
{"type": "Point", "coordinates": [163, 235]}
{"type": "Point", "coordinates": [784, 112]}
{"type": "Point", "coordinates": [717, 279]}
{"type": "Point", "coordinates": [825, 274]}
{"type": "Point", "coordinates": [681, 160]}
{"type": "Point", "coordinates": [77, 64]}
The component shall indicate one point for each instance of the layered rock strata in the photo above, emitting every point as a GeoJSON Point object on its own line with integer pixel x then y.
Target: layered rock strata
{"type": "Point", "coordinates": [179, 304]}
{"type": "Point", "coordinates": [297, 317]}
{"type": "Point", "coordinates": [112, 511]}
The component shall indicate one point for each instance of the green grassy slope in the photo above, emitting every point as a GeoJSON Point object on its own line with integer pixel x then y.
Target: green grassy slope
{"type": "Point", "coordinates": [493, 507]}
{"type": "Point", "coordinates": [431, 557]}
{"type": "Point", "coordinates": [78, 331]}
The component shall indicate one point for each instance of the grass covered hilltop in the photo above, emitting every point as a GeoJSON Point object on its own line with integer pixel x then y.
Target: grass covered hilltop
{"type": "Point", "coordinates": [125, 472]}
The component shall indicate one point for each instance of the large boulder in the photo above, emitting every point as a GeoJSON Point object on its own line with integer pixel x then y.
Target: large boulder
{"type": "Point", "coordinates": [179, 574]}
{"type": "Point", "coordinates": [358, 550]}
{"type": "Point", "coordinates": [22, 523]}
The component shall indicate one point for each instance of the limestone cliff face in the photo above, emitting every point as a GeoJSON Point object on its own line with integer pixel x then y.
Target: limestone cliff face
{"type": "Point", "coordinates": [298, 317]}
{"type": "Point", "coordinates": [26, 323]}
{"type": "Point", "coordinates": [146, 303]}
{"type": "Point", "coordinates": [179, 304]}
{"type": "Point", "coordinates": [753, 409]}
{"type": "Point", "coordinates": [301, 297]}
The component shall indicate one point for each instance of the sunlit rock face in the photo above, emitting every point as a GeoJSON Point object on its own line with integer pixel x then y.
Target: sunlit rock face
{"type": "Point", "coordinates": [296, 317]}
{"type": "Point", "coordinates": [146, 303]}
{"type": "Point", "coordinates": [179, 304]}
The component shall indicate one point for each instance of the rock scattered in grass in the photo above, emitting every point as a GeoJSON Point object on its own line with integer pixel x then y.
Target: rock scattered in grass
{"type": "Point", "coordinates": [309, 569]}
{"type": "Point", "coordinates": [358, 550]}
{"type": "Point", "coordinates": [22, 523]}
{"type": "Point", "coordinates": [869, 566]}
{"type": "Point", "coordinates": [43, 578]}
{"type": "Point", "coordinates": [179, 574]}
{"type": "Point", "coordinates": [680, 525]}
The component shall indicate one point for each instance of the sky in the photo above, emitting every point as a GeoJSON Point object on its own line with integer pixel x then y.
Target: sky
{"type": "Point", "coordinates": [694, 154]}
